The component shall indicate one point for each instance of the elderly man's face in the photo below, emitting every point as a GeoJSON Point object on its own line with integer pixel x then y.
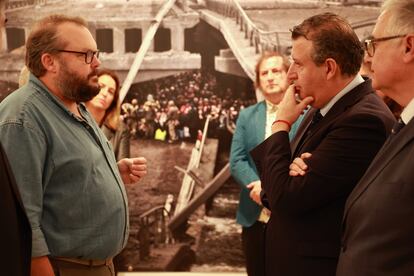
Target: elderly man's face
{"type": "Point", "coordinates": [387, 62]}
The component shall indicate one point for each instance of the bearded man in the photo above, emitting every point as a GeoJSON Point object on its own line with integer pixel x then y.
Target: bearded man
{"type": "Point", "coordinates": [71, 186]}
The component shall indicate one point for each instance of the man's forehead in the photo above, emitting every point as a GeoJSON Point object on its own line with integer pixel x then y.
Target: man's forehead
{"type": "Point", "coordinates": [380, 25]}
{"type": "Point", "coordinates": [76, 36]}
{"type": "Point", "coordinates": [299, 45]}
{"type": "Point", "coordinates": [275, 61]}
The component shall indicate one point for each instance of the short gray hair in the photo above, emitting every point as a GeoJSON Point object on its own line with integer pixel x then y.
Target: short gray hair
{"type": "Point", "coordinates": [401, 20]}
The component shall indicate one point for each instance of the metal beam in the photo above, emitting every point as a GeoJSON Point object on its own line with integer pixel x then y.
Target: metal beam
{"type": "Point", "coordinates": [146, 43]}
{"type": "Point", "coordinates": [209, 190]}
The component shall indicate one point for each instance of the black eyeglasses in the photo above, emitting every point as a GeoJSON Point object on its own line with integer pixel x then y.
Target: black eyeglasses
{"type": "Point", "coordinates": [370, 43]}
{"type": "Point", "coordinates": [88, 54]}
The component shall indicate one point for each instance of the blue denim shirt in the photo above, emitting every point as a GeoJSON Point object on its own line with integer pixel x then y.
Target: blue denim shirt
{"type": "Point", "coordinates": [66, 173]}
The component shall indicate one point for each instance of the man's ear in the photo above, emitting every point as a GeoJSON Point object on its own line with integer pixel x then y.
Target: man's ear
{"type": "Point", "coordinates": [331, 68]}
{"type": "Point", "coordinates": [49, 62]}
{"type": "Point", "coordinates": [409, 48]}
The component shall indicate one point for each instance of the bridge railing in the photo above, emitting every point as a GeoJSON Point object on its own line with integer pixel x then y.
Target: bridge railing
{"type": "Point", "coordinates": [261, 40]}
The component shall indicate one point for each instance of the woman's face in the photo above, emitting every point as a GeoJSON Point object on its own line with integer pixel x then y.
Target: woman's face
{"type": "Point", "coordinates": [107, 93]}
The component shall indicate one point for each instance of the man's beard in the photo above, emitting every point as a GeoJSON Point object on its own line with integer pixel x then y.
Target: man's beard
{"type": "Point", "coordinates": [76, 88]}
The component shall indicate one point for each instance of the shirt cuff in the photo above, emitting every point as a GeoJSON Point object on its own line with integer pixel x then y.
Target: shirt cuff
{"type": "Point", "coordinates": [39, 245]}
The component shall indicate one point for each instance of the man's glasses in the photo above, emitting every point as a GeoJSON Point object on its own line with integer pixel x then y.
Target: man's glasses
{"type": "Point", "coordinates": [370, 43]}
{"type": "Point", "coordinates": [88, 54]}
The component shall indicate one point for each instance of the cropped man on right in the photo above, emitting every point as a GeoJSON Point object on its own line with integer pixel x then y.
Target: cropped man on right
{"type": "Point", "coordinates": [378, 223]}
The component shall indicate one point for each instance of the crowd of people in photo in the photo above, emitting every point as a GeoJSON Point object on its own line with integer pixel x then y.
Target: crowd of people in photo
{"type": "Point", "coordinates": [175, 108]}
{"type": "Point", "coordinates": [324, 161]}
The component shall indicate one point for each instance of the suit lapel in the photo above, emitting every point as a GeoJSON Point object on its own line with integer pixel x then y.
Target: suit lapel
{"type": "Point", "coordinates": [301, 131]}
{"type": "Point", "coordinates": [260, 125]}
{"type": "Point", "coordinates": [382, 159]}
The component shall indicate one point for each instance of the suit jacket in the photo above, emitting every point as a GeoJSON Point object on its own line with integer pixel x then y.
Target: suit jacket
{"type": "Point", "coordinates": [15, 232]}
{"type": "Point", "coordinates": [303, 234]}
{"type": "Point", "coordinates": [378, 227]}
{"type": "Point", "coordinates": [250, 131]}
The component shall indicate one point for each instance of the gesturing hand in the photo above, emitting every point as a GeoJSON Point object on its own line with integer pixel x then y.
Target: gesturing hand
{"type": "Point", "coordinates": [255, 189]}
{"type": "Point", "coordinates": [132, 169]}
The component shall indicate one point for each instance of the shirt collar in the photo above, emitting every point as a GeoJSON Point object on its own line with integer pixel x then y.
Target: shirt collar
{"type": "Point", "coordinates": [271, 107]}
{"type": "Point", "coordinates": [354, 83]}
{"type": "Point", "coordinates": [44, 90]}
{"type": "Point", "coordinates": [408, 113]}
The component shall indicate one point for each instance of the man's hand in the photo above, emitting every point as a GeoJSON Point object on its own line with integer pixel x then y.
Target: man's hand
{"type": "Point", "coordinates": [132, 169]}
{"type": "Point", "coordinates": [289, 110]}
{"type": "Point", "coordinates": [298, 166]}
{"type": "Point", "coordinates": [255, 189]}
{"type": "Point", "coordinates": [41, 267]}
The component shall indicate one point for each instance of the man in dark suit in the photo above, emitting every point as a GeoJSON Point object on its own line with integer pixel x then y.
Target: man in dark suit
{"type": "Point", "coordinates": [340, 135]}
{"type": "Point", "coordinates": [378, 237]}
{"type": "Point", "coordinates": [15, 232]}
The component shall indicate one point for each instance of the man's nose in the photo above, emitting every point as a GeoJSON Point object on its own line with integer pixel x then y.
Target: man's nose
{"type": "Point", "coordinates": [291, 74]}
{"type": "Point", "coordinates": [104, 92]}
{"type": "Point", "coordinates": [367, 58]}
{"type": "Point", "coordinates": [270, 77]}
{"type": "Point", "coordinates": [95, 62]}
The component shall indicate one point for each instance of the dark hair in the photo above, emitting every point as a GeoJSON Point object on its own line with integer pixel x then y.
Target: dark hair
{"type": "Point", "coordinates": [332, 37]}
{"type": "Point", "coordinates": [110, 118]}
{"type": "Point", "coordinates": [266, 55]}
{"type": "Point", "coordinates": [44, 38]}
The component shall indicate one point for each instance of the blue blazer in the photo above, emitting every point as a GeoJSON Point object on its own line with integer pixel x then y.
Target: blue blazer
{"type": "Point", "coordinates": [250, 132]}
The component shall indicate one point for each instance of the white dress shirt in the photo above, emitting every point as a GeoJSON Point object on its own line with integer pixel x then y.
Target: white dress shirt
{"type": "Point", "coordinates": [408, 113]}
{"type": "Point", "coordinates": [270, 117]}
{"type": "Point", "coordinates": [354, 83]}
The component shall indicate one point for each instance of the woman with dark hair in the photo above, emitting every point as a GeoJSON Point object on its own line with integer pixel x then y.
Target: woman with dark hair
{"type": "Point", "coordinates": [105, 108]}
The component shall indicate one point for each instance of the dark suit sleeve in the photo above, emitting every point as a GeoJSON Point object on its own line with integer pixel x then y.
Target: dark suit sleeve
{"type": "Point", "coordinates": [15, 234]}
{"type": "Point", "coordinates": [339, 158]}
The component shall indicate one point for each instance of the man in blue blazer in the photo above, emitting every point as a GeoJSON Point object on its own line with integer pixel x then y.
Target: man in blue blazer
{"type": "Point", "coordinates": [253, 127]}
